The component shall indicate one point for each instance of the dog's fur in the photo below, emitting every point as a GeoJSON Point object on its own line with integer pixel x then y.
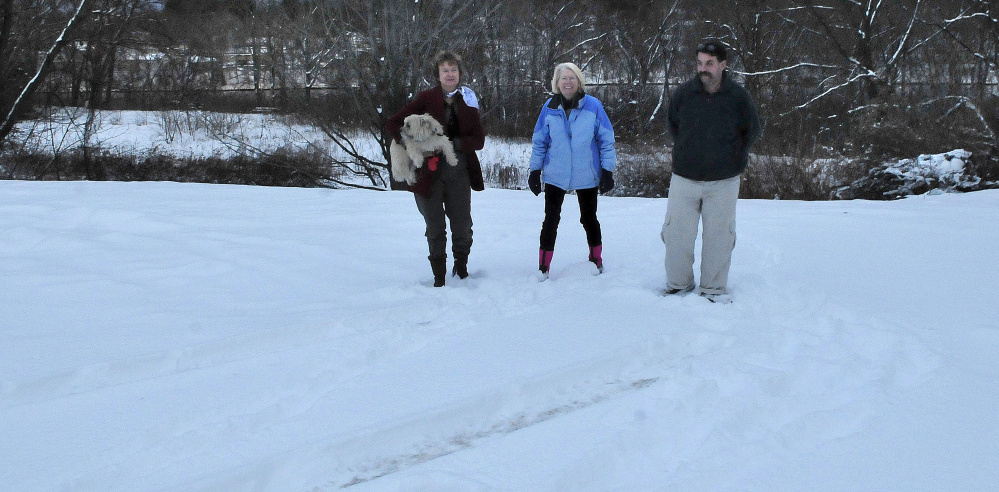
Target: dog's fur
{"type": "Point", "coordinates": [421, 134]}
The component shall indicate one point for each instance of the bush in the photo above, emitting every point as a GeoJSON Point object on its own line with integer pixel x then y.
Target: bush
{"type": "Point", "coordinates": [985, 164]}
{"type": "Point", "coordinates": [951, 171]}
{"type": "Point", "coordinates": [280, 169]}
{"type": "Point", "coordinates": [782, 178]}
{"type": "Point", "coordinates": [645, 170]}
{"type": "Point", "coordinates": [504, 176]}
{"type": "Point", "coordinates": [642, 170]}
{"type": "Point", "coordinates": [901, 128]}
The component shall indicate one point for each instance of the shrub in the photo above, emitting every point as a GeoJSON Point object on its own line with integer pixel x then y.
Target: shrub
{"type": "Point", "coordinates": [504, 176]}
{"type": "Point", "coordinates": [901, 128]}
{"type": "Point", "coordinates": [783, 178]}
{"type": "Point", "coordinates": [279, 169]}
{"type": "Point", "coordinates": [985, 164]}
{"type": "Point", "coordinates": [951, 171]}
{"type": "Point", "coordinates": [642, 170]}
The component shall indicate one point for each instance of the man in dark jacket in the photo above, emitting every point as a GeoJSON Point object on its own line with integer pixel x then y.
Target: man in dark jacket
{"type": "Point", "coordinates": [713, 122]}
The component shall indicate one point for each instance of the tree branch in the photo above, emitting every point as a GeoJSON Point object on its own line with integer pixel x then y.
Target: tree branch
{"type": "Point", "coordinates": [32, 85]}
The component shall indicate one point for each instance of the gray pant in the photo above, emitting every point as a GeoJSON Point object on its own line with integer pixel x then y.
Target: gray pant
{"type": "Point", "coordinates": [450, 196]}
{"type": "Point", "coordinates": [713, 202]}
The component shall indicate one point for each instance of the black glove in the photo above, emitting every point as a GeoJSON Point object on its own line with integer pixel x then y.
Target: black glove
{"type": "Point", "coordinates": [534, 182]}
{"type": "Point", "coordinates": [606, 181]}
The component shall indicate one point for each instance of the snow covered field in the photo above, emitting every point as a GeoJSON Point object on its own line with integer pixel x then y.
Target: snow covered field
{"type": "Point", "coordinates": [192, 134]}
{"type": "Point", "coordinates": [163, 336]}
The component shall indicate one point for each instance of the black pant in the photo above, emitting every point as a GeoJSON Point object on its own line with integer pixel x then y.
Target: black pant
{"type": "Point", "coordinates": [554, 196]}
{"type": "Point", "coordinates": [451, 197]}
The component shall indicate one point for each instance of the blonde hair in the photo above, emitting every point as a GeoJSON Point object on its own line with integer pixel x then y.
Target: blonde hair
{"type": "Point", "coordinates": [575, 70]}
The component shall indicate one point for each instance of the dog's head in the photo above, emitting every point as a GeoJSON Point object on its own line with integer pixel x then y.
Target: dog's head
{"type": "Point", "coordinates": [421, 127]}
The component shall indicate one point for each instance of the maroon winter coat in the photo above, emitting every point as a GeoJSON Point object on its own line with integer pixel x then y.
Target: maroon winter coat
{"type": "Point", "coordinates": [469, 125]}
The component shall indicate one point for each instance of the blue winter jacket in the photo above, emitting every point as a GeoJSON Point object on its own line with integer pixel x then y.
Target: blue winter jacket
{"type": "Point", "coordinates": [572, 151]}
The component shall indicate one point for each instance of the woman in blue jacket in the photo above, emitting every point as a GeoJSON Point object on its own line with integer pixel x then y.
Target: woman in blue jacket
{"type": "Point", "coordinates": [573, 150]}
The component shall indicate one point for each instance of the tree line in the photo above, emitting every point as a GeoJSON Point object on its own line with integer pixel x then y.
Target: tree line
{"type": "Point", "coordinates": [831, 77]}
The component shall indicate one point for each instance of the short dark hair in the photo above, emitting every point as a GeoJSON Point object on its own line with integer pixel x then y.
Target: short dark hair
{"type": "Point", "coordinates": [714, 48]}
{"type": "Point", "coordinates": [446, 56]}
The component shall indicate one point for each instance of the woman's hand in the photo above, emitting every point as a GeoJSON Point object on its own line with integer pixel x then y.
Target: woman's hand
{"type": "Point", "coordinates": [606, 181]}
{"type": "Point", "coordinates": [534, 182]}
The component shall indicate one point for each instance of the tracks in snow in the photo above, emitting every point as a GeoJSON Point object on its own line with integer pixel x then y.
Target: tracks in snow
{"type": "Point", "coordinates": [445, 431]}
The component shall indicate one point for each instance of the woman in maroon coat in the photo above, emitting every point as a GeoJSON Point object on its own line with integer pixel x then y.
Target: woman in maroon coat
{"type": "Point", "coordinates": [446, 190]}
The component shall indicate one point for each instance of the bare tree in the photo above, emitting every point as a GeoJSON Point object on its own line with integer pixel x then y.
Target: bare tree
{"type": "Point", "coordinates": [648, 39]}
{"type": "Point", "coordinates": [42, 71]}
{"type": "Point", "coordinates": [973, 27]}
{"type": "Point", "coordinates": [6, 27]}
{"type": "Point", "coordinates": [869, 41]}
{"type": "Point", "coordinates": [382, 54]}
{"type": "Point", "coordinates": [204, 43]}
{"type": "Point", "coordinates": [110, 28]}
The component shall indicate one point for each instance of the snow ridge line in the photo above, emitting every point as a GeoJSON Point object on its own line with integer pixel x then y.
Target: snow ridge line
{"type": "Point", "coordinates": [466, 440]}
{"type": "Point", "coordinates": [498, 411]}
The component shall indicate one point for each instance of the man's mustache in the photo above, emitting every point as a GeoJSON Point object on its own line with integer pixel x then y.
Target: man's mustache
{"type": "Point", "coordinates": [704, 73]}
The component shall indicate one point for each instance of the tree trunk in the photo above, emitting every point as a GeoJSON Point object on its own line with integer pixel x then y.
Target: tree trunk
{"type": "Point", "coordinates": [255, 50]}
{"type": "Point", "coordinates": [7, 14]}
{"type": "Point", "coordinates": [32, 85]}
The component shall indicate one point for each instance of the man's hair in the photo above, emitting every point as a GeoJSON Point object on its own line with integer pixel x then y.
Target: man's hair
{"type": "Point", "coordinates": [714, 48]}
{"type": "Point", "coordinates": [568, 66]}
{"type": "Point", "coordinates": [446, 56]}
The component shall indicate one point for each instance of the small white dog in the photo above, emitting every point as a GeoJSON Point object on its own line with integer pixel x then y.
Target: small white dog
{"type": "Point", "coordinates": [421, 134]}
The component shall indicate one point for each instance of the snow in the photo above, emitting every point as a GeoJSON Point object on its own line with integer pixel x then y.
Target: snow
{"type": "Point", "coordinates": [199, 134]}
{"type": "Point", "coordinates": [164, 336]}
{"type": "Point", "coordinates": [947, 169]}
{"type": "Point", "coordinates": [192, 133]}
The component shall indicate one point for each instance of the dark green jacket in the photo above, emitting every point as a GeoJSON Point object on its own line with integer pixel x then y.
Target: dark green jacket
{"type": "Point", "coordinates": [712, 133]}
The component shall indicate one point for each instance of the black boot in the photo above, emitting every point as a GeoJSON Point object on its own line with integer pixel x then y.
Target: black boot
{"type": "Point", "coordinates": [460, 267]}
{"type": "Point", "coordinates": [439, 266]}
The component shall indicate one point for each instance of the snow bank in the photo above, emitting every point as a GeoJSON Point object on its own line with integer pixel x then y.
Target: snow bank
{"type": "Point", "coordinates": [928, 173]}
{"type": "Point", "coordinates": [937, 172]}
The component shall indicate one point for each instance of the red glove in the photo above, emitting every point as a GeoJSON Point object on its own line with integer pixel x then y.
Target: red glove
{"type": "Point", "coordinates": [432, 162]}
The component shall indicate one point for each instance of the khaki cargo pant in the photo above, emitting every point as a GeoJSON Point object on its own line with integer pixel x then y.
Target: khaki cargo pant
{"type": "Point", "coordinates": [713, 203]}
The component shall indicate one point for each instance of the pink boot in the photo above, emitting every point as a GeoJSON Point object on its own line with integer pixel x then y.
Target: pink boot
{"type": "Point", "coordinates": [544, 260]}
{"type": "Point", "coordinates": [595, 257]}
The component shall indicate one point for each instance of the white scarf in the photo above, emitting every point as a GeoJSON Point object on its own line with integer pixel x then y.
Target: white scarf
{"type": "Point", "coordinates": [467, 94]}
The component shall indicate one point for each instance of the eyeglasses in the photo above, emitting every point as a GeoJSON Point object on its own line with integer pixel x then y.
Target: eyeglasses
{"type": "Point", "coordinates": [708, 47]}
